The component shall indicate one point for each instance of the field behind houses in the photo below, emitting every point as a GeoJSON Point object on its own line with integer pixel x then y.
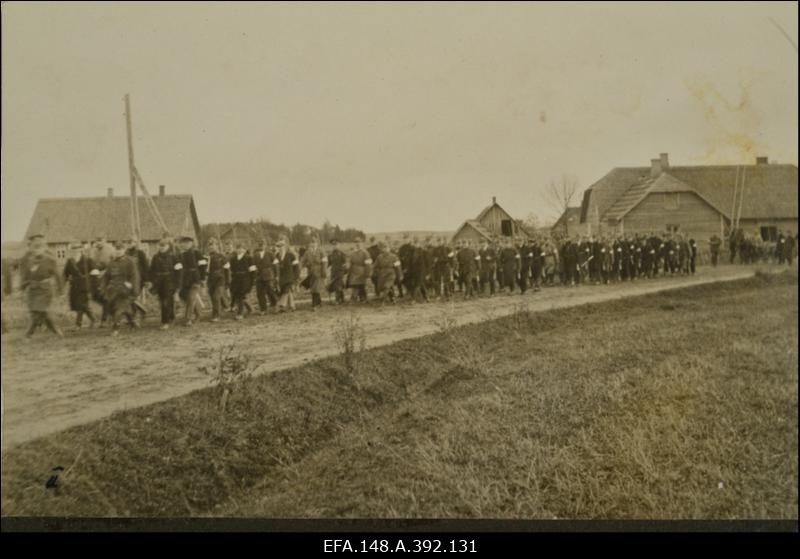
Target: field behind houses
{"type": "Point", "coordinates": [679, 404]}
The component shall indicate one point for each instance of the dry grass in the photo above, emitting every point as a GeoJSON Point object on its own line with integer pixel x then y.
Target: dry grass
{"type": "Point", "coordinates": [676, 405]}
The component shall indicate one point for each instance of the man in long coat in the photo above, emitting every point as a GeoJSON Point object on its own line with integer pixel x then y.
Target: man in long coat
{"type": "Point", "coordinates": [337, 260]}
{"type": "Point", "coordinates": [243, 274]}
{"type": "Point", "coordinates": [288, 274]}
{"type": "Point", "coordinates": [120, 288]}
{"type": "Point", "coordinates": [78, 272]}
{"type": "Point", "coordinates": [388, 271]}
{"type": "Point", "coordinates": [315, 261]}
{"type": "Point", "coordinates": [219, 278]}
{"type": "Point", "coordinates": [165, 280]}
{"type": "Point", "coordinates": [359, 269]}
{"type": "Point", "coordinates": [40, 282]}
{"type": "Point", "coordinates": [266, 276]}
{"type": "Point", "coordinates": [194, 267]}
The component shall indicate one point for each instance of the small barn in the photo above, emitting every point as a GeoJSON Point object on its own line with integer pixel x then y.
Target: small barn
{"type": "Point", "coordinates": [492, 222]}
{"type": "Point", "coordinates": [67, 220]}
{"type": "Point", "coordinates": [700, 200]}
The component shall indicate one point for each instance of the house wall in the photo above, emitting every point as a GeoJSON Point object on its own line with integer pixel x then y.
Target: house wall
{"type": "Point", "coordinates": [468, 234]}
{"type": "Point", "coordinates": [754, 225]}
{"type": "Point", "coordinates": [493, 219]}
{"type": "Point", "coordinates": [689, 212]}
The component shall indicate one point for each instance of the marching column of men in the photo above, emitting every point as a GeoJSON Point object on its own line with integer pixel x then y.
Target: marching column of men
{"type": "Point", "coordinates": [118, 275]}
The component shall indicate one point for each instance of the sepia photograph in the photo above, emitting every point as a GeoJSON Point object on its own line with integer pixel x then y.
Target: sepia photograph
{"type": "Point", "coordinates": [407, 266]}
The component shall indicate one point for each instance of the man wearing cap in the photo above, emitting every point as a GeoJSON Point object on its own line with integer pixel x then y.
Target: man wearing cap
{"type": "Point", "coordinates": [120, 287]}
{"type": "Point", "coordinates": [444, 262]}
{"type": "Point", "coordinates": [509, 264]}
{"type": "Point", "coordinates": [315, 261]}
{"type": "Point", "coordinates": [405, 253]}
{"type": "Point", "coordinates": [388, 270]}
{"type": "Point", "coordinates": [219, 278]}
{"type": "Point", "coordinates": [374, 251]}
{"type": "Point", "coordinates": [142, 271]}
{"type": "Point", "coordinates": [416, 272]}
{"type": "Point", "coordinates": [193, 266]}
{"type": "Point", "coordinates": [40, 281]}
{"type": "Point", "coordinates": [360, 268]}
{"type": "Point", "coordinates": [338, 264]}
{"type": "Point", "coordinates": [488, 267]}
{"type": "Point", "coordinates": [78, 272]}
{"type": "Point", "coordinates": [166, 273]}
{"type": "Point", "coordinates": [468, 263]}
{"type": "Point", "coordinates": [266, 276]}
{"type": "Point", "coordinates": [288, 274]}
{"type": "Point", "coordinates": [243, 273]}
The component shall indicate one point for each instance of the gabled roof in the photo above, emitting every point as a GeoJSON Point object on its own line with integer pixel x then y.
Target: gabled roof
{"type": "Point", "coordinates": [63, 220]}
{"type": "Point", "coordinates": [476, 225]}
{"type": "Point", "coordinates": [488, 208]}
{"type": "Point", "coordinates": [770, 190]}
{"type": "Point", "coordinates": [570, 215]}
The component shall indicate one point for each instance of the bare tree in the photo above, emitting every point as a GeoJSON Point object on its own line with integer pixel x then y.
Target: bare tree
{"type": "Point", "coordinates": [560, 192]}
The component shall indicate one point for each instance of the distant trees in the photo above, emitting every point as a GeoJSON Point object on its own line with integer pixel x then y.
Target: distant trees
{"type": "Point", "coordinates": [262, 229]}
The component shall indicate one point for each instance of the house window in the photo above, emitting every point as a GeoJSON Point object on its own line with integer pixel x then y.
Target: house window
{"type": "Point", "coordinates": [61, 253]}
{"type": "Point", "coordinates": [769, 233]}
{"type": "Point", "coordinates": [672, 228]}
{"type": "Point", "coordinates": [506, 228]}
{"type": "Point", "coordinates": [672, 200]}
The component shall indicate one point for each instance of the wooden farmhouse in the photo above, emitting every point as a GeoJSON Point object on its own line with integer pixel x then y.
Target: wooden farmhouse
{"type": "Point", "coordinates": [492, 223]}
{"type": "Point", "coordinates": [698, 200]}
{"type": "Point", "coordinates": [68, 220]}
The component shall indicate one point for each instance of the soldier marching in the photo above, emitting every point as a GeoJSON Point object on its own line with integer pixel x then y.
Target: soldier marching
{"type": "Point", "coordinates": [115, 275]}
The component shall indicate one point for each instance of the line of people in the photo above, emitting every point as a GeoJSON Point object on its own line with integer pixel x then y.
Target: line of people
{"type": "Point", "coordinates": [116, 276]}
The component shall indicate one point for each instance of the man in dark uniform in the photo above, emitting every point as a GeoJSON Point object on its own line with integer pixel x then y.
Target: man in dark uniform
{"type": "Point", "coordinates": [266, 275]}
{"type": "Point", "coordinates": [337, 260]}
{"type": "Point", "coordinates": [165, 278]}
{"type": "Point", "coordinates": [596, 263]}
{"type": "Point", "coordinates": [243, 273]}
{"type": "Point", "coordinates": [120, 287]}
{"type": "Point", "coordinates": [488, 263]}
{"type": "Point", "coordinates": [570, 254]}
{"type": "Point", "coordinates": [468, 261]}
{"type": "Point", "coordinates": [692, 256]}
{"type": "Point", "coordinates": [537, 263]}
{"type": "Point", "coordinates": [374, 251]}
{"type": "Point", "coordinates": [584, 255]}
{"type": "Point", "coordinates": [77, 272]}
{"type": "Point", "coordinates": [606, 260]}
{"type": "Point", "coordinates": [288, 274]}
{"type": "Point", "coordinates": [713, 245]}
{"type": "Point", "coordinates": [193, 267]}
{"type": "Point", "coordinates": [787, 248]}
{"type": "Point", "coordinates": [509, 264]}
{"type": "Point", "coordinates": [525, 253]}
{"type": "Point", "coordinates": [139, 258]}
{"type": "Point", "coordinates": [416, 271]}
{"type": "Point", "coordinates": [219, 278]}
{"type": "Point", "coordinates": [443, 268]}
{"type": "Point", "coordinates": [405, 254]}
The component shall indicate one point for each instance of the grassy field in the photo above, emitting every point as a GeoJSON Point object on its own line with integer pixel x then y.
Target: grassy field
{"type": "Point", "coordinates": [680, 404]}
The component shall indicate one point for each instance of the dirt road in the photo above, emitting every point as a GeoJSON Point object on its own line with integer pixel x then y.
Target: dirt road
{"type": "Point", "coordinates": [51, 384]}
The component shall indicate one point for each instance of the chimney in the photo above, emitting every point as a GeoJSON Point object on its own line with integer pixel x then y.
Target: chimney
{"type": "Point", "coordinates": [664, 161]}
{"type": "Point", "coordinates": [110, 192]}
{"type": "Point", "coordinates": [762, 160]}
{"type": "Point", "coordinates": [162, 189]}
{"type": "Point", "coordinates": [494, 200]}
{"type": "Point", "coordinates": [655, 168]}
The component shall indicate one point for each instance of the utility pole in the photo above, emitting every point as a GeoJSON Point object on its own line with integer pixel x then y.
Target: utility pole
{"type": "Point", "coordinates": [135, 223]}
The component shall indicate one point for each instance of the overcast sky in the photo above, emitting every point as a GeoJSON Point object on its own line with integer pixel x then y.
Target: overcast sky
{"type": "Point", "coordinates": [382, 116]}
